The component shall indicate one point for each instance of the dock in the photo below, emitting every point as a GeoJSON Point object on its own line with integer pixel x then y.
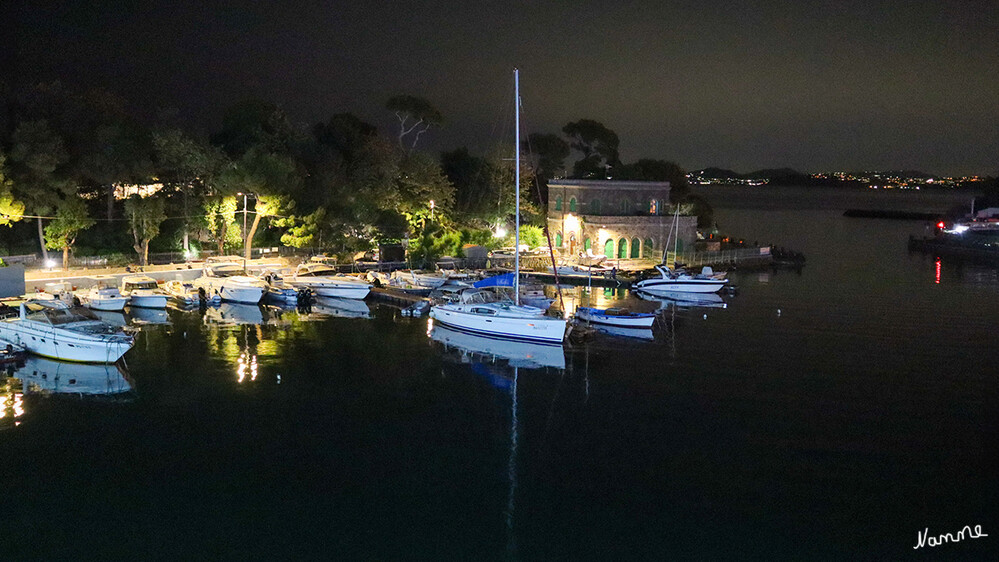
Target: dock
{"type": "Point", "coordinates": [395, 296]}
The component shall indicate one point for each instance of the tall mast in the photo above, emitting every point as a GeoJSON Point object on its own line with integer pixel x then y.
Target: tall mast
{"type": "Point", "coordinates": [516, 183]}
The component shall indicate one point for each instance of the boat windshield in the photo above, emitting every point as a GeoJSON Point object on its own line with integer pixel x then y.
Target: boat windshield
{"type": "Point", "coordinates": [227, 271]}
{"type": "Point", "coordinates": [58, 316]}
{"type": "Point", "coordinates": [484, 297]}
{"type": "Point", "coordinates": [133, 285]}
{"type": "Point", "coordinates": [312, 271]}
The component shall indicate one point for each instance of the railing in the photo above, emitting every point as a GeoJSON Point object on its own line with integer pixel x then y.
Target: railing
{"type": "Point", "coordinates": [721, 257]}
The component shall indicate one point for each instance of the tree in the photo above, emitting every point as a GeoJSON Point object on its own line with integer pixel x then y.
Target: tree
{"type": "Point", "coordinates": [71, 217]}
{"type": "Point", "coordinates": [145, 215]}
{"type": "Point", "coordinates": [416, 115]}
{"type": "Point", "coordinates": [188, 167]}
{"type": "Point", "coordinates": [648, 169]}
{"type": "Point", "coordinates": [421, 181]}
{"type": "Point", "coordinates": [220, 219]}
{"type": "Point", "coordinates": [598, 144]}
{"type": "Point", "coordinates": [36, 157]}
{"type": "Point", "coordinates": [547, 154]}
{"type": "Point", "coordinates": [11, 210]}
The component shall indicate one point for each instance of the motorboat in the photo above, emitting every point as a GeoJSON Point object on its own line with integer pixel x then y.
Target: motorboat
{"type": "Point", "coordinates": [185, 294]}
{"type": "Point", "coordinates": [143, 291]}
{"type": "Point", "coordinates": [40, 374]}
{"type": "Point", "coordinates": [55, 290]}
{"type": "Point", "coordinates": [324, 281]}
{"type": "Point", "coordinates": [517, 353]}
{"type": "Point", "coordinates": [278, 291]}
{"type": "Point", "coordinates": [619, 317]}
{"type": "Point", "coordinates": [485, 312]}
{"type": "Point", "coordinates": [226, 277]}
{"type": "Point", "coordinates": [103, 294]}
{"type": "Point", "coordinates": [680, 281]}
{"type": "Point", "coordinates": [421, 279]}
{"type": "Point", "coordinates": [52, 328]}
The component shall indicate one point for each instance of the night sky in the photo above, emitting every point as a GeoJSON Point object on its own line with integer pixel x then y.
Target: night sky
{"type": "Point", "coordinates": [817, 86]}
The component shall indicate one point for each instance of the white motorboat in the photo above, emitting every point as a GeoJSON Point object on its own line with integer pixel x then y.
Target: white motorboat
{"type": "Point", "coordinates": [487, 313]}
{"type": "Point", "coordinates": [185, 294]}
{"type": "Point", "coordinates": [40, 374]}
{"type": "Point", "coordinates": [226, 277]}
{"type": "Point", "coordinates": [420, 279]}
{"type": "Point", "coordinates": [518, 353]}
{"type": "Point", "coordinates": [325, 281]}
{"type": "Point", "coordinates": [680, 281]}
{"type": "Point", "coordinates": [103, 294]}
{"type": "Point", "coordinates": [619, 317]}
{"type": "Point", "coordinates": [143, 291]}
{"type": "Point", "coordinates": [53, 329]}
{"type": "Point", "coordinates": [56, 290]}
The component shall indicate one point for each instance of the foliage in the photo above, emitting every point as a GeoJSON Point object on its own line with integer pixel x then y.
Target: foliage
{"type": "Point", "coordinates": [433, 241]}
{"type": "Point", "coordinates": [145, 215]}
{"type": "Point", "coordinates": [11, 210]}
{"type": "Point", "coordinates": [71, 217]}
{"type": "Point", "coordinates": [220, 219]}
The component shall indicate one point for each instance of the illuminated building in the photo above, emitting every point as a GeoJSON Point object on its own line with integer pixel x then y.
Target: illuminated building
{"type": "Point", "coordinates": [619, 219]}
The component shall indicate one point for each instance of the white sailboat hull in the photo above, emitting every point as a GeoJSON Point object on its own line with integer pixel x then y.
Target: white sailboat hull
{"type": "Point", "coordinates": [536, 328]}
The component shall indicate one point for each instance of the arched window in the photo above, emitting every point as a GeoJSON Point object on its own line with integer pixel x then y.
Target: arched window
{"type": "Point", "coordinates": [654, 207]}
{"type": "Point", "coordinates": [595, 207]}
{"type": "Point", "coordinates": [636, 245]}
{"type": "Point", "coordinates": [586, 244]}
{"type": "Point", "coordinates": [622, 248]}
{"type": "Point", "coordinates": [558, 203]}
{"type": "Point", "coordinates": [572, 205]}
{"type": "Point", "coordinates": [649, 250]}
{"type": "Point", "coordinates": [609, 248]}
{"type": "Point", "coordinates": [558, 239]}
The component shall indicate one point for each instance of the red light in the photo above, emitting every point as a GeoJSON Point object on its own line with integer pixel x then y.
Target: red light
{"type": "Point", "coordinates": [940, 225]}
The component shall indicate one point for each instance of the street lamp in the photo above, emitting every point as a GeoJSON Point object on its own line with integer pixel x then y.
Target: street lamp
{"type": "Point", "coordinates": [431, 209]}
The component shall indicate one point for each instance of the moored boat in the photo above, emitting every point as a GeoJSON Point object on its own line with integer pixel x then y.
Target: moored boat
{"type": "Point", "coordinates": [143, 291]}
{"type": "Point", "coordinates": [53, 329]}
{"type": "Point", "coordinates": [680, 281]}
{"type": "Point", "coordinates": [620, 317]}
{"type": "Point", "coordinates": [325, 281]}
{"type": "Point", "coordinates": [103, 294]}
{"type": "Point", "coordinates": [226, 277]}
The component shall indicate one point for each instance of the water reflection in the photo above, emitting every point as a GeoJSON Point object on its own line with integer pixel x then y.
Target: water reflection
{"type": "Point", "coordinates": [235, 314]}
{"type": "Point", "coordinates": [470, 348]}
{"type": "Point", "coordinates": [685, 300]}
{"type": "Point", "coordinates": [40, 374]}
{"type": "Point", "coordinates": [148, 316]}
{"type": "Point", "coordinates": [637, 333]}
{"type": "Point", "coordinates": [342, 308]}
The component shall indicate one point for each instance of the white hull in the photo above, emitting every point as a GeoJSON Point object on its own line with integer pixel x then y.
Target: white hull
{"type": "Point", "coordinates": [534, 328]}
{"type": "Point", "coordinates": [667, 286]}
{"type": "Point", "coordinates": [63, 344]}
{"type": "Point", "coordinates": [109, 304]}
{"type": "Point", "coordinates": [346, 290]}
{"type": "Point", "coordinates": [618, 321]}
{"type": "Point", "coordinates": [231, 289]}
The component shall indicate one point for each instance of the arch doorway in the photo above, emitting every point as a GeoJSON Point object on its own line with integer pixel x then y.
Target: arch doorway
{"type": "Point", "coordinates": [609, 248]}
{"type": "Point", "coordinates": [622, 248]}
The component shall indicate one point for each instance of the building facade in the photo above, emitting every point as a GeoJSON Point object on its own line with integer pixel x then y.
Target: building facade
{"type": "Point", "coordinates": [619, 219]}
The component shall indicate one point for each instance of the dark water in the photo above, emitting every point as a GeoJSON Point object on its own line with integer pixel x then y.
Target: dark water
{"type": "Point", "coordinates": [828, 413]}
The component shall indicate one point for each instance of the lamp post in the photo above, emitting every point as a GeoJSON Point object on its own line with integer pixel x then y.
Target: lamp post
{"type": "Point", "coordinates": [431, 209]}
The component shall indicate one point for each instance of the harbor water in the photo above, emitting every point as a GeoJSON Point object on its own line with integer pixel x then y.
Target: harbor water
{"type": "Point", "coordinates": [829, 412]}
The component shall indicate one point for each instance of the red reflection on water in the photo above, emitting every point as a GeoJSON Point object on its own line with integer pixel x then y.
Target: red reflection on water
{"type": "Point", "coordinates": [938, 271]}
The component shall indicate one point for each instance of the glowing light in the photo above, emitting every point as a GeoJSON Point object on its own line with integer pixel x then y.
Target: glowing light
{"type": "Point", "coordinates": [50, 263]}
{"type": "Point", "coordinates": [938, 271]}
{"type": "Point", "coordinates": [246, 363]}
{"type": "Point", "coordinates": [500, 232]}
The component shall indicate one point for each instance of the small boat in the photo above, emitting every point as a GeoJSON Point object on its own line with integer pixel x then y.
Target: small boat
{"type": "Point", "coordinates": [278, 291]}
{"type": "Point", "coordinates": [680, 281]}
{"type": "Point", "coordinates": [56, 290]}
{"type": "Point", "coordinates": [52, 328]}
{"type": "Point", "coordinates": [619, 317]}
{"type": "Point", "coordinates": [143, 291]}
{"type": "Point", "coordinates": [226, 276]}
{"type": "Point", "coordinates": [420, 279]}
{"type": "Point", "coordinates": [185, 294]}
{"type": "Point", "coordinates": [103, 294]}
{"type": "Point", "coordinates": [325, 281]}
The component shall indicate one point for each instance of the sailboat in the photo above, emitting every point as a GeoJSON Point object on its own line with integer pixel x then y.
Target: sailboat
{"type": "Point", "coordinates": [490, 314]}
{"type": "Point", "coordinates": [678, 280]}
